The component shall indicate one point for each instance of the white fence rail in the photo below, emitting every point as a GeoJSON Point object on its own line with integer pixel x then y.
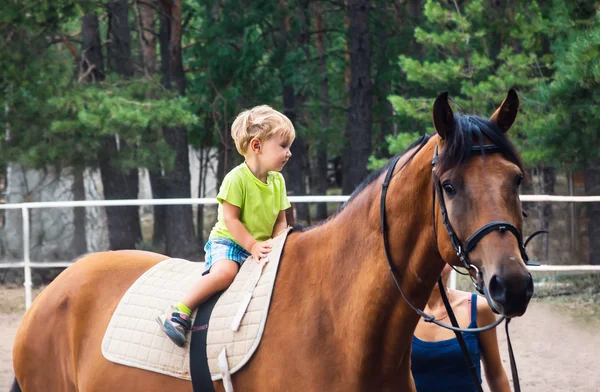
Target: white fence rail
{"type": "Point", "coordinates": [27, 264]}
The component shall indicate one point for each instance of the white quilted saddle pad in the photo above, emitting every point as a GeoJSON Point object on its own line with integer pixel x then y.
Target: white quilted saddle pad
{"type": "Point", "coordinates": [134, 338]}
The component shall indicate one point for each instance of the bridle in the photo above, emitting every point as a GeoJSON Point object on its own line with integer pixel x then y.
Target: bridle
{"type": "Point", "coordinates": [462, 251]}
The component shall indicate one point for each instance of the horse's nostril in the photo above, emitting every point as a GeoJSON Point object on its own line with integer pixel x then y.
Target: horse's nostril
{"type": "Point", "coordinates": [497, 289]}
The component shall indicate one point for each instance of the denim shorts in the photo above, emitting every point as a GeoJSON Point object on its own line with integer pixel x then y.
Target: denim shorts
{"type": "Point", "coordinates": [223, 249]}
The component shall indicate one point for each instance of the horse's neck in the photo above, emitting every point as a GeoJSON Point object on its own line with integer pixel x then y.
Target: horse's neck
{"type": "Point", "coordinates": [347, 275]}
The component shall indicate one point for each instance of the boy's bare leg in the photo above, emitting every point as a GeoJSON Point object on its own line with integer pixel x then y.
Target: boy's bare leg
{"type": "Point", "coordinates": [220, 277]}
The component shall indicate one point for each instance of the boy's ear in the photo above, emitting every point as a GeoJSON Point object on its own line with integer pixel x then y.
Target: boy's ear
{"type": "Point", "coordinates": [255, 145]}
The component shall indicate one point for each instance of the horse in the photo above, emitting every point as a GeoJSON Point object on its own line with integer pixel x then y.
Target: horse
{"type": "Point", "coordinates": [337, 321]}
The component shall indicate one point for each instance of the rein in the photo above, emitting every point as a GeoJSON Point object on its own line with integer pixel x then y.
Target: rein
{"type": "Point", "coordinates": [462, 251]}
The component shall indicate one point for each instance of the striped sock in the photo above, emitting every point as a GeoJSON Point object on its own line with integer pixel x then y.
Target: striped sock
{"type": "Point", "coordinates": [182, 308]}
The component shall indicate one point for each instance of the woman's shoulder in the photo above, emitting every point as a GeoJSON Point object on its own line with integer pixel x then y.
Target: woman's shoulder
{"type": "Point", "coordinates": [461, 298]}
{"type": "Point", "coordinates": [485, 315]}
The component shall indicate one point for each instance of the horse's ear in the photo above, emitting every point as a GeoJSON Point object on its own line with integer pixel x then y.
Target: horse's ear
{"type": "Point", "coordinates": [506, 114]}
{"type": "Point", "coordinates": [443, 117]}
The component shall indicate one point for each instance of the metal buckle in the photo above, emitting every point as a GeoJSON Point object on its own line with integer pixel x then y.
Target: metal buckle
{"type": "Point", "coordinates": [478, 280]}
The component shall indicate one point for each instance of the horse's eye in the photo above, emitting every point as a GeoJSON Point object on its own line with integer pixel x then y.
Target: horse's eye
{"type": "Point", "coordinates": [449, 189]}
{"type": "Point", "coordinates": [519, 180]}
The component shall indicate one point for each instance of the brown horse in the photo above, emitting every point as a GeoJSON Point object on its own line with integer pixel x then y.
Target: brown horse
{"type": "Point", "coordinates": [337, 321]}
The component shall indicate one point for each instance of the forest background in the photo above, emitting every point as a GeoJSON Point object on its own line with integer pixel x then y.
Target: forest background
{"type": "Point", "coordinates": [117, 85]}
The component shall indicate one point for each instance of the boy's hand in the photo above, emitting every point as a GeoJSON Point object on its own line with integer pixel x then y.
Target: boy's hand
{"type": "Point", "coordinates": [260, 250]}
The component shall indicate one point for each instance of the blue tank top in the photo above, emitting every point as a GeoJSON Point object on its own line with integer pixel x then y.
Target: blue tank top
{"type": "Point", "coordinates": [440, 366]}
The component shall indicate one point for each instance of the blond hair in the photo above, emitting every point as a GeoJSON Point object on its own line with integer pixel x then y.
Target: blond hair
{"type": "Point", "coordinates": [261, 122]}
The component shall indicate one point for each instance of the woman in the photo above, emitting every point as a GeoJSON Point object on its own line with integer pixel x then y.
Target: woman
{"type": "Point", "coordinates": [437, 361]}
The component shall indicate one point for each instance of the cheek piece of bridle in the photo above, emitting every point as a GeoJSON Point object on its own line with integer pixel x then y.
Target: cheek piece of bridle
{"type": "Point", "coordinates": [462, 251]}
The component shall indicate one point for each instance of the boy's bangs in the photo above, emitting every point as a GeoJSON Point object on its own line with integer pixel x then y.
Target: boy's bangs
{"type": "Point", "coordinates": [287, 133]}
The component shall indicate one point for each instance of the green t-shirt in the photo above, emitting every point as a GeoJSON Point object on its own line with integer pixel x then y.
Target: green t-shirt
{"type": "Point", "coordinates": [259, 203]}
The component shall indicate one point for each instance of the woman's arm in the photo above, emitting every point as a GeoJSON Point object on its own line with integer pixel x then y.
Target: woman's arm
{"type": "Point", "coordinates": [231, 216]}
{"type": "Point", "coordinates": [490, 355]}
{"type": "Point", "coordinates": [280, 224]}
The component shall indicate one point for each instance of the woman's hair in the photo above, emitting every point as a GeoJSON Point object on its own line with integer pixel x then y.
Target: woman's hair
{"type": "Point", "coordinates": [260, 122]}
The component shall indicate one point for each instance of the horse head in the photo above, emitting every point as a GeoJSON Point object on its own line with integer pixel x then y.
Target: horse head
{"type": "Point", "coordinates": [476, 179]}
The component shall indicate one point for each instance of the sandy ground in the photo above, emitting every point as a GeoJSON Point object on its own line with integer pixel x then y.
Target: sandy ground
{"type": "Point", "coordinates": [8, 329]}
{"type": "Point", "coordinates": [554, 351]}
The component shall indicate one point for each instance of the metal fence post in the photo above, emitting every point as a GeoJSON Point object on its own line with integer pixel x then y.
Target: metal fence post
{"type": "Point", "coordinates": [26, 261]}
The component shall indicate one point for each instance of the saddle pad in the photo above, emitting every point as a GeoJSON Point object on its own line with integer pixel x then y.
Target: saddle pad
{"type": "Point", "coordinates": [133, 336]}
{"type": "Point", "coordinates": [241, 344]}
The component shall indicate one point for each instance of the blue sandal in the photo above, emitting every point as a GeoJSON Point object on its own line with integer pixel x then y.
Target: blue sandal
{"type": "Point", "coordinates": [175, 326]}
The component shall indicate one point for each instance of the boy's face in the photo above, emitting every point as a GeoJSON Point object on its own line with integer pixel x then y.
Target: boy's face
{"type": "Point", "coordinates": [275, 153]}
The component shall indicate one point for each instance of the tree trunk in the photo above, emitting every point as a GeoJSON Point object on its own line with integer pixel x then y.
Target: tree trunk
{"type": "Point", "coordinates": [226, 154]}
{"type": "Point", "coordinates": [384, 111]}
{"type": "Point", "coordinates": [572, 219]}
{"type": "Point", "coordinates": [79, 245]}
{"type": "Point", "coordinates": [359, 119]}
{"type": "Point", "coordinates": [347, 72]}
{"type": "Point", "coordinates": [91, 63]}
{"type": "Point", "coordinates": [147, 26]}
{"type": "Point", "coordinates": [591, 178]}
{"type": "Point", "coordinates": [204, 166]}
{"type": "Point", "coordinates": [180, 236]}
{"type": "Point", "coordinates": [320, 172]}
{"type": "Point", "coordinates": [292, 103]}
{"type": "Point", "coordinates": [547, 179]}
{"type": "Point", "coordinates": [202, 161]}
{"type": "Point", "coordinates": [124, 230]}
{"type": "Point", "coordinates": [147, 37]}
{"type": "Point", "coordinates": [173, 76]}
{"type": "Point", "coordinates": [294, 169]}
{"type": "Point", "coordinates": [119, 47]}
{"type": "Point", "coordinates": [159, 232]}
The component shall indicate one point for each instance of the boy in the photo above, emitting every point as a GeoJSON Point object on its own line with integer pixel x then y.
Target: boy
{"type": "Point", "coordinates": [252, 208]}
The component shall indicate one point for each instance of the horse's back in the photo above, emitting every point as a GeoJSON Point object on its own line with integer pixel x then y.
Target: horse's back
{"type": "Point", "coordinates": [58, 344]}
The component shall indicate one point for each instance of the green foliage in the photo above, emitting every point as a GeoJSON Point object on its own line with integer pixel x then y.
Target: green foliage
{"type": "Point", "coordinates": [231, 62]}
{"type": "Point", "coordinates": [120, 110]}
{"type": "Point", "coordinates": [397, 144]}
{"type": "Point", "coordinates": [573, 94]}
{"type": "Point", "coordinates": [464, 58]}
{"type": "Point", "coordinates": [54, 120]}
{"type": "Point", "coordinates": [242, 54]}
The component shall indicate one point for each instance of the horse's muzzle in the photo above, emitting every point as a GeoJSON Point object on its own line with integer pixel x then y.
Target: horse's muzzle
{"type": "Point", "coordinates": [510, 295]}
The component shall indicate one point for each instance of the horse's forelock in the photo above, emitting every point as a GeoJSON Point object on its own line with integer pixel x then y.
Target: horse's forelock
{"type": "Point", "coordinates": [469, 131]}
